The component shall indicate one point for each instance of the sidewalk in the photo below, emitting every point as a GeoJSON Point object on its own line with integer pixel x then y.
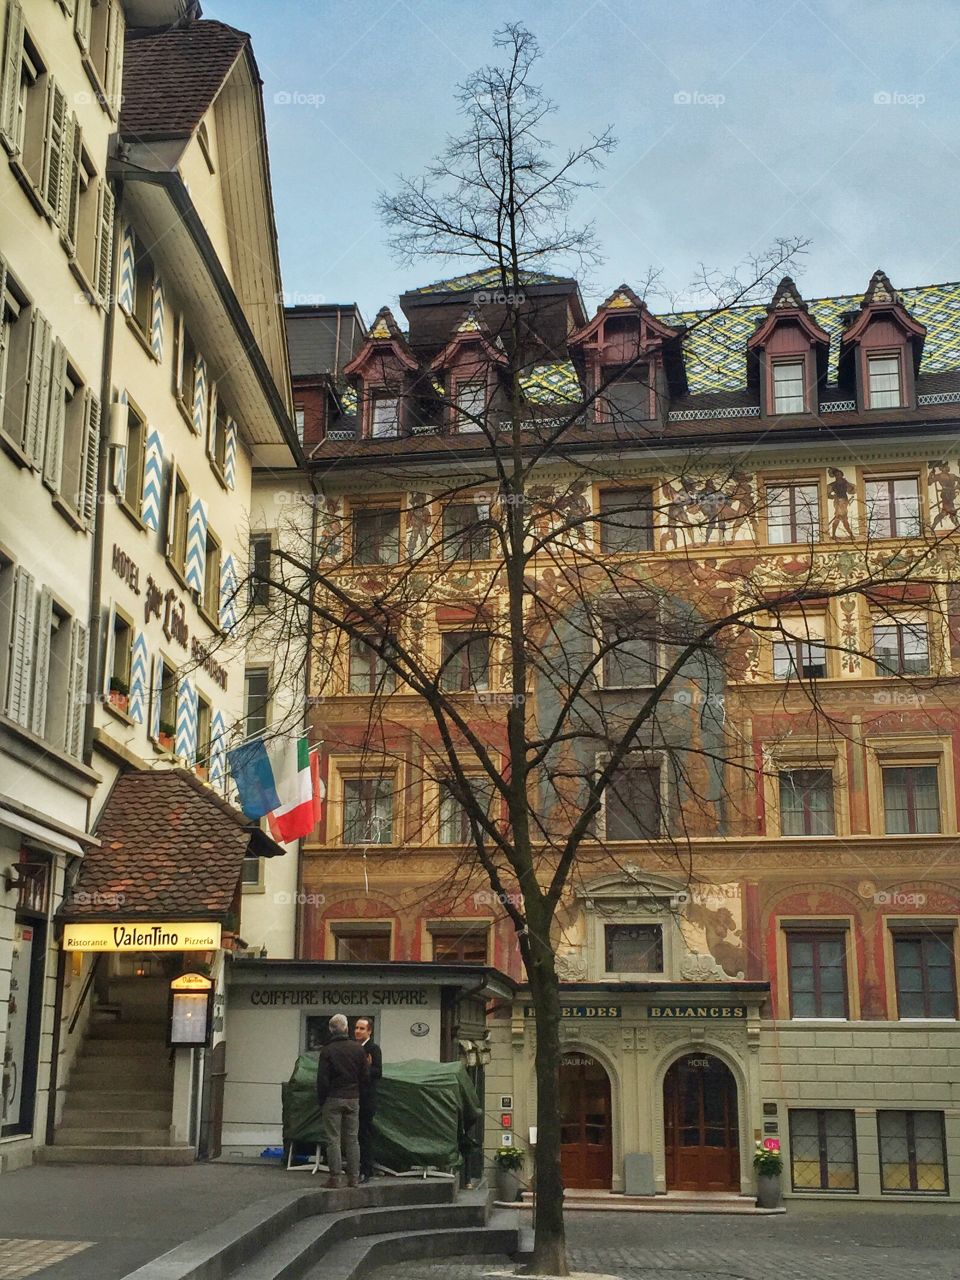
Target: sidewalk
{"type": "Point", "coordinates": [120, 1217]}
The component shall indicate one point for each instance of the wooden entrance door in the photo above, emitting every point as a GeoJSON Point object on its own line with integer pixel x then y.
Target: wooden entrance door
{"type": "Point", "coordinates": [701, 1128]}
{"type": "Point", "coordinates": [586, 1136]}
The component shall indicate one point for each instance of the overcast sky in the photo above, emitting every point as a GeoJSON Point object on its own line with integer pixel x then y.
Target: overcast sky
{"type": "Point", "coordinates": [738, 121]}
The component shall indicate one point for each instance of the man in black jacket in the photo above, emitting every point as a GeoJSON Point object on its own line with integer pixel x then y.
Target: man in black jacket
{"type": "Point", "coordinates": [362, 1033]}
{"type": "Point", "coordinates": [342, 1074]}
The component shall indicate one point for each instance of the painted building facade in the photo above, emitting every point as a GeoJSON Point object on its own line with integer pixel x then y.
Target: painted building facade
{"type": "Point", "coordinates": [792, 979]}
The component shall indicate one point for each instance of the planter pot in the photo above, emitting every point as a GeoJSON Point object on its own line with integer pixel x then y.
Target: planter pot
{"type": "Point", "coordinates": [508, 1184]}
{"type": "Point", "coordinates": [768, 1191]}
{"type": "Point", "coordinates": [165, 741]}
{"type": "Point", "coordinates": [119, 700]}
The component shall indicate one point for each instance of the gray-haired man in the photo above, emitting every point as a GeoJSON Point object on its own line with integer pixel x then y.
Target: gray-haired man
{"type": "Point", "coordinates": [341, 1073]}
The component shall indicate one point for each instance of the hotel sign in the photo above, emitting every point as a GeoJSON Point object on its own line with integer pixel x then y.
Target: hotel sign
{"type": "Point", "coordinates": [139, 936]}
{"type": "Point", "coordinates": [678, 1012]}
{"type": "Point", "coordinates": [582, 1011]}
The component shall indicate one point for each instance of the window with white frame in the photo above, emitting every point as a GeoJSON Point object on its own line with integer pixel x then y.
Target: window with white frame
{"type": "Point", "coordinates": [911, 799]}
{"type": "Point", "coordinates": [471, 405]}
{"type": "Point", "coordinates": [369, 672]}
{"type": "Point", "coordinates": [368, 805]}
{"type": "Point", "coordinates": [883, 377]}
{"type": "Point", "coordinates": [806, 802]}
{"type": "Point", "coordinates": [800, 651]}
{"type": "Point", "coordinates": [793, 512]}
{"type": "Point", "coordinates": [384, 416]}
{"type": "Point", "coordinates": [788, 394]}
{"type": "Point", "coordinates": [256, 701]}
{"type": "Point", "coordinates": [893, 506]}
{"type": "Point", "coordinates": [901, 644]}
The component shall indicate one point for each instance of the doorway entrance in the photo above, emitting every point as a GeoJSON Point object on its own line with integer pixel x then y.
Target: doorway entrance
{"type": "Point", "coordinates": [701, 1128]}
{"type": "Point", "coordinates": [586, 1134]}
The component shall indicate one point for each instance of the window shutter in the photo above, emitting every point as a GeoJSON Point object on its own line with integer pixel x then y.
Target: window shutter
{"type": "Point", "coordinates": [152, 480]}
{"type": "Point", "coordinates": [171, 505]}
{"type": "Point", "coordinates": [81, 24]}
{"type": "Point", "coordinates": [185, 742]}
{"type": "Point", "coordinates": [228, 594]}
{"type": "Point", "coordinates": [77, 699]}
{"type": "Point", "coordinates": [212, 423]}
{"type": "Point", "coordinates": [53, 448]}
{"type": "Point", "coordinates": [38, 389]}
{"type": "Point", "coordinates": [139, 667]}
{"type": "Point", "coordinates": [53, 148]}
{"type": "Point", "coordinates": [218, 750]}
{"type": "Point", "coordinates": [114, 55]}
{"type": "Point", "coordinates": [104, 243]}
{"type": "Point", "coordinates": [70, 185]}
{"type": "Point", "coordinates": [156, 319]}
{"type": "Point", "coordinates": [178, 357]}
{"type": "Point", "coordinates": [230, 455]}
{"type": "Point", "coordinates": [3, 331]}
{"type": "Point", "coordinates": [41, 662]}
{"type": "Point", "coordinates": [199, 408]}
{"type": "Point", "coordinates": [118, 443]}
{"type": "Point", "coordinates": [196, 545]}
{"type": "Point", "coordinates": [10, 77]}
{"type": "Point", "coordinates": [91, 456]}
{"type": "Point", "coordinates": [127, 266]}
{"type": "Point", "coordinates": [156, 690]}
{"type": "Point", "coordinates": [22, 635]}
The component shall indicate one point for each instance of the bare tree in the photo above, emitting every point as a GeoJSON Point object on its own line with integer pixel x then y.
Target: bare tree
{"type": "Point", "coordinates": [593, 684]}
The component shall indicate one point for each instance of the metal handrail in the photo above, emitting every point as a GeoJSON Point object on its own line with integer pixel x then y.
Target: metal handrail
{"type": "Point", "coordinates": [87, 984]}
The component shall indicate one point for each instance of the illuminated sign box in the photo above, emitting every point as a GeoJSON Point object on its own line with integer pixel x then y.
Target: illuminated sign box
{"type": "Point", "coordinates": [142, 936]}
{"type": "Point", "coordinates": [191, 1007]}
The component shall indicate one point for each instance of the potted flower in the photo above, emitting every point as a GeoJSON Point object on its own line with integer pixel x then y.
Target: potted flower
{"type": "Point", "coordinates": [508, 1161]}
{"type": "Point", "coordinates": [119, 693]}
{"type": "Point", "coordinates": [768, 1166]}
{"type": "Point", "coordinates": [165, 735]}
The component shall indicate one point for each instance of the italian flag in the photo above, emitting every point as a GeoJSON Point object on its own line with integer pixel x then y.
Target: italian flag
{"type": "Point", "coordinates": [279, 780]}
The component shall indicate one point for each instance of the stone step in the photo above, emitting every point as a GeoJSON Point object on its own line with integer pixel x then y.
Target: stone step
{"type": "Point", "coordinates": [673, 1202]}
{"type": "Point", "coordinates": [122, 1050]}
{"type": "Point", "coordinates": [98, 1153]}
{"type": "Point", "coordinates": [306, 1242]}
{"type": "Point", "coordinates": [95, 1073]}
{"type": "Point", "coordinates": [75, 1117]}
{"type": "Point", "coordinates": [356, 1258]}
{"type": "Point", "coordinates": [110, 1099]}
{"type": "Point", "coordinates": [106, 1136]}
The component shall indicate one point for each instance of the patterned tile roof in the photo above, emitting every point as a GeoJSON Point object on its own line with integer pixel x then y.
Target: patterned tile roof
{"type": "Point", "coordinates": [716, 351]}
{"type": "Point", "coordinates": [488, 278]}
{"type": "Point", "coordinates": [170, 848]}
{"type": "Point", "coordinates": [552, 383]}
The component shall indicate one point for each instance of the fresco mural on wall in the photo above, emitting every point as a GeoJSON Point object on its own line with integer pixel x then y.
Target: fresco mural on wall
{"type": "Point", "coordinates": [711, 924]}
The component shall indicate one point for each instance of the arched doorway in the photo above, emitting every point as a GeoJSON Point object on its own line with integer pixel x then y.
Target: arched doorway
{"type": "Point", "coordinates": [701, 1128]}
{"type": "Point", "coordinates": [586, 1134]}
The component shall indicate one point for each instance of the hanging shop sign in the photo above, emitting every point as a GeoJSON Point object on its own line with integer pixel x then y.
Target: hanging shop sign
{"type": "Point", "coordinates": [142, 936]}
{"type": "Point", "coordinates": [709, 1011]}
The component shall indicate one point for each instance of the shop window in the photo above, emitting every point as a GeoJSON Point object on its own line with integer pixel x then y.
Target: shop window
{"type": "Point", "coordinates": [471, 405]}
{"type": "Point", "coordinates": [256, 701]}
{"type": "Point", "coordinates": [466, 533]}
{"type": "Point", "coordinates": [806, 802]}
{"type": "Point", "coordinates": [793, 513]}
{"type": "Point", "coordinates": [368, 810]}
{"type": "Point", "coordinates": [369, 672]}
{"type": "Point", "coordinates": [136, 437]}
{"type": "Point", "coordinates": [626, 520]}
{"type": "Point", "coordinates": [632, 804]}
{"type": "Point", "coordinates": [893, 507]}
{"type": "Point", "coordinates": [802, 653]}
{"type": "Point", "coordinates": [925, 972]}
{"type": "Point", "coordinates": [631, 662]}
{"type": "Point", "coordinates": [384, 417]}
{"type": "Point", "coordinates": [455, 944]}
{"type": "Point", "coordinates": [376, 536]}
{"type": "Point", "coordinates": [261, 547]}
{"type": "Point", "coordinates": [823, 1150]}
{"type": "Point", "coordinates": [817, 968]}
{"type": "Point", "coordinates": [465, 661]}
{"type": "Point", "coordinates": [912, 1152]}
{"type": "Point", "coordinates": [883, 377]}
{"type": "Point", "coordinates": [788, 387]}
{"type": "Point", "coordinates": [211, 578]}
{"type": "Point", "coordinates": [633, 948]}
{"type": "Point", "coordinates": [121, 649]}
{"type": "Point", "coordinates": [362, 944]}
{"type": "Point", "coordinates": [901, 646]}
{"type": "Point", "coordinates": [911, 799]}
{"type": "Point", "coordinates": [454, 826]}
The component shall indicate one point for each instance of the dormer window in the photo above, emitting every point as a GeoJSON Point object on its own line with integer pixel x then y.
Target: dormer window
{"type": "Point", "coordinates": [385, 416]}
{"type": "Point", "coordinates": [471, 405]}
{"type": "Point", "coordinates": [788, 386]}
{"type": "Point", "coordinates": [884, 382]}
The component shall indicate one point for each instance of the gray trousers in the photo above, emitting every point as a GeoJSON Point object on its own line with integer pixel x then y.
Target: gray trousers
{"type": "Point", "coordinates": [341, 1128]}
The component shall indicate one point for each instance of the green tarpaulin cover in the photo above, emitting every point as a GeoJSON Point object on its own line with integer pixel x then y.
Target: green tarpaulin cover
{"type": "Point", "coordinates": [424, 1111]}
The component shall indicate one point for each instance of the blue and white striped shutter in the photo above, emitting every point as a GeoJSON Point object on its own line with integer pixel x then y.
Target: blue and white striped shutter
{"type": "Point", "coordinates": [196, 545]}
{"type": "Point", "coordinates": [230, 455]}
{"type": "Point", "coordinates": [228, 594]}
{"type": "Point", "coordinates": [199, 395]}
{"type": "Point", "coordinates": [156, 689]}
{"type": "Point", "coordinates": [125, 287]}
{"type": "Point", "coordinates": [156, 319]}
{"type": "Point", "coordinates": [185, 742]}
{"type": "Point", "coordinates": [152, 480]}
{"type": "Point", "coordinates": [139, 667]}
{"type": "Point", "coordinates": [218, 750]}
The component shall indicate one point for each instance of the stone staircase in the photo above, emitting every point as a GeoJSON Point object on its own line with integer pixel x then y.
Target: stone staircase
{"type": "Point", "coordinates": [317, 1234]}
{"type": "Point", "coordinates": [119, 1095]}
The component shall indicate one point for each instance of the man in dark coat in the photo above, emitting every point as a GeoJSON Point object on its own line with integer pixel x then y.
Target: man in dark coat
{"type": "Point", "coordinates": [362, 1033]}
{"type": "Point", "coordinates": [343, 1073]}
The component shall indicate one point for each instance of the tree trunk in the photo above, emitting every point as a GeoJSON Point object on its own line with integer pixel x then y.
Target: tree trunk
{"type": "Point", "coordinates": [550, 1247]}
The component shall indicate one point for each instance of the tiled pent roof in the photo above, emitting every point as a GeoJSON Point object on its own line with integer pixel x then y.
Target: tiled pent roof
{"type": "Point", "coordinates": [716, 352]}
{"type": "Point", "coordinates": [170, 848]}
{"type": "Point", "coordinates": [488, 278]}
{"type": "Point", "coordinates": [172, 75]}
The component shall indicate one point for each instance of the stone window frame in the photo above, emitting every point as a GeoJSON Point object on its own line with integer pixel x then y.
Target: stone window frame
{"type": "Point", "coordinates": [929, 749]}
{"type": "Point", "coordinates": [805, 754]}
{"type": "Point", "coordinates": [837, 922]}
{"type": "Point", "coordinates": [895, 923]}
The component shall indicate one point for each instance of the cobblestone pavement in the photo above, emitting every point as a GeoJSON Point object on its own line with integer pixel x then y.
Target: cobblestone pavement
{"type": "Point", "coordinates": [810, 1242]}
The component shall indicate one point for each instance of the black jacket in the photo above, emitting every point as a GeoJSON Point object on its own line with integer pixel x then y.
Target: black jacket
{"type": "Point", "coordinates": [342, 1070]}
{"type": "Point", "coordinates": [368, 1093]}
